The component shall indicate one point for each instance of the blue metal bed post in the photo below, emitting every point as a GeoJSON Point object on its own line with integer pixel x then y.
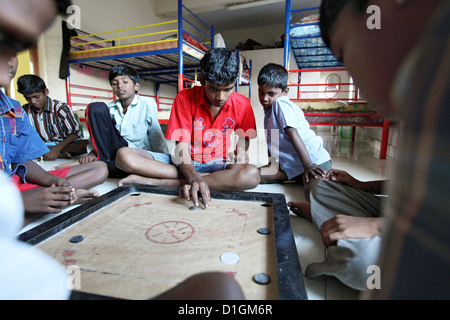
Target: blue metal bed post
{"type": "Point", "coordinates": [180, 45]}
{"type": "Point", "coordinates": [212, 36]}
{"type": "Point", "coordinates": [286, 33]}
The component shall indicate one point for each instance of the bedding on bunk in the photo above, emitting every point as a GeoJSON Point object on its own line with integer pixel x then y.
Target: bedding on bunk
{"type": "Point", "coordinates": [341, 120]}
{"type": "Point", "coordinates": [323, 105]}
{"type": "Point", "coordinates": [308, 47]}
{"type": "Point", "coordinates": [190, 40]}
{"type": "Point", "coordinates": [339, 113]}
{"type": "Point", "coordinates": [335, 106]}
{"type": "Point", "coordinates": [193, 48]}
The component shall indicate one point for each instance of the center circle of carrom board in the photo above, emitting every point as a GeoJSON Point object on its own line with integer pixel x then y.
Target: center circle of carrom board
{"type": "Point", "coordinates": [170, 232]}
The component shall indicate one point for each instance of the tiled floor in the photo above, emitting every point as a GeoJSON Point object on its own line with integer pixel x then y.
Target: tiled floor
{"type": "Point", "coordinates": [360, 160]}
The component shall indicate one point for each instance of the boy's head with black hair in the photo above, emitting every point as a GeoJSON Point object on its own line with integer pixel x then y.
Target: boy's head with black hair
{"type": "Point", "coordinates": [272, 83]}
{"type": "Point", "coordinates": [123, 70]}
{"type": "Point", "coordinates": [219, 72]}
{"type": "Point", "coordinates": [30, 83]}
{"type": "Point", "coordinates": [273, 75]}
{"type": "Point", "coordinates": [330, 11]}
{"type": "Point", "coordinates": [371, 54]}
{"type": "Point", "coordinates": [124, 81]}
{"type": "Point", "coordinates": [219, 66]}
{"type": "Point", "coordinates": [62, 6]}
{"type": "Point", "coordinates": [34, 90]}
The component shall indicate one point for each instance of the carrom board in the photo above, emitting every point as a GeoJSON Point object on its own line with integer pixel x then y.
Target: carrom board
{"type": "Point", "coordinates": [139, 241]}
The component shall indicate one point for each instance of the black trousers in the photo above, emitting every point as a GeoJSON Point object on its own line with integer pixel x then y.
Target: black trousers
{"type": "Point", "coordinates": [105, 137]}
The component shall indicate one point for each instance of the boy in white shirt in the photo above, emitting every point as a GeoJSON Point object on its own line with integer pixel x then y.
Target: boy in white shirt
{"type": "Point", "coordinates": [298, 149]}
{"type": "Point", "coordinates": [130, 121]}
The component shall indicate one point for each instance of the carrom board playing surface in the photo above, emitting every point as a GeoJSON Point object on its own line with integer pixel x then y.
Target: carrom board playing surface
{"type": "Point", "coordinates": [136, 242]}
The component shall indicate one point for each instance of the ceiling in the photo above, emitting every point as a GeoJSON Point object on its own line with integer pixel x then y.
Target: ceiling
{"type": "Point", "coordinates": [269, 14]}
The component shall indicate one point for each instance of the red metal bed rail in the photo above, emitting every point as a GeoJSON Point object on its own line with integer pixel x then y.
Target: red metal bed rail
{"type": "Point", "coordinates": [334, 117]}
{"type": "Point", "coordinates": [163, 103]}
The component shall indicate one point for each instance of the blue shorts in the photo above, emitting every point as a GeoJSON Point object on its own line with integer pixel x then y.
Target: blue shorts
{"type": "Point", "coordinates": [161, 157]}
{"type": "Point", "coordinates": [54, 143]}
{"type": "Point", "coordinates": [210, 166]}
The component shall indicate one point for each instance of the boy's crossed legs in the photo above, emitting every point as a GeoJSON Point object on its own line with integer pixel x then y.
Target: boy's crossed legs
{"type": "Point", "coordinates": [349, 222]}
{"type": "Point", "coordinates": [148, 170]}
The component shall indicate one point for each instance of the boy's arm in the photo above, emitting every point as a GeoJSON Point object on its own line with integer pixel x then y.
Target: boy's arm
{"type": "Point", "coordinates": [348, 227]}
{"type": "Point", "coordinates": [48, 199]}
{"type": "Point", "coordinates": [55, 151]}
{"type": "Point", "coordinates": [311, 170]}
{"type": "Point", "coordinates": [53, 195]}
{"type": "Point", "coordinates": [195, 183]}
{"type": "Point", "coordinates": [156, 137]}
{"type": "Point", "coordinates": [345, 178]}
{"type": "Point", "coordinates": [240, 155]}
{"type": "Point", "coordinates": [68, 122]}
{"type": "Point", "coordinates": [37, 175]}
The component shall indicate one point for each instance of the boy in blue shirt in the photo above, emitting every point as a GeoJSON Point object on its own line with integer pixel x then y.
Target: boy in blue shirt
{"type": "Point", "coordinates": [298, 149]}
{"type": "Point", "coordinates": [42, 191]}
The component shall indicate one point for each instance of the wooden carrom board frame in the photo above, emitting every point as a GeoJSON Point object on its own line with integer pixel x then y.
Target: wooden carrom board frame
{"type": "Point", "coordinates": [289, 278]}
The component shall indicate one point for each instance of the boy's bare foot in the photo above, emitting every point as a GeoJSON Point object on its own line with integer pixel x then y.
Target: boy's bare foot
{"type": "Point", "coordinates": [63, 165]}
{"type": "Point", "coordinates": [134, 178]}
{"type": "Point", "coordinates": [86, 195]}
{"type": "Point", "coordinates": [301, 209]}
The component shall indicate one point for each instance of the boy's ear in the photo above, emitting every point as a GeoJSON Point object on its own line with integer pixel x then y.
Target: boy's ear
{"type": "Point", "coordinates": [46, 91]}
{"type": "Point", "coordinates": [136, 87]}
{"type": "Point", "coordinates": [285, 92]}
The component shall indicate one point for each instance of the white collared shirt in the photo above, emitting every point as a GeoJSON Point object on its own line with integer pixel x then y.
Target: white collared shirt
{"type": "Point", "coordinates": [284, 113]}
{"type": "Point", "coordinates": [139, 126]}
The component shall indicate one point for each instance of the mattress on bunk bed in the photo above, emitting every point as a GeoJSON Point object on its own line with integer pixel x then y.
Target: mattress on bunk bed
{"type": "Point", "coordinates": [339, 113]}
{"type": "Point", "coordinates": [308, 47]}
{"type": "Point", "coordinates": [190, 46]}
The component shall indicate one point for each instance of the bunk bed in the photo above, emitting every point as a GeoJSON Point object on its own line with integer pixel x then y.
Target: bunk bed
{"type": "Point", "coordinates": [331, 102]}
{"type": "Point", "coordinates": [165, 53]}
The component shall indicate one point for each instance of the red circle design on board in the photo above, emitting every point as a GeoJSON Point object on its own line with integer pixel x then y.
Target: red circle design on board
{"type": "Point", "coordinates": [170, 232]}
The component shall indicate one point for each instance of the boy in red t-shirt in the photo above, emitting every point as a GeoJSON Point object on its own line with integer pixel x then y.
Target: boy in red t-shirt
{"type": "Point", "coordinates": [201, 123]}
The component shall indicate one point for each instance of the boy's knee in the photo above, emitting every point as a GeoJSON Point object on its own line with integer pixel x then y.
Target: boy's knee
{"type": "Point", "coordinates": [122, 158]}
{"type": "Point", "coordinates": [102, 170]}
{"type": "Point", "coordinates": [314, 188]}
{"type": "Point", "coordinates": [97, 108]}
{"type": "Point", "coordinates": [249, 176]}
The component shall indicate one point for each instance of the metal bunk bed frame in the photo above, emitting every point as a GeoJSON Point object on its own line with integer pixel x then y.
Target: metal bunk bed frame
{"type": "Point", "coordinates": [333, 118]}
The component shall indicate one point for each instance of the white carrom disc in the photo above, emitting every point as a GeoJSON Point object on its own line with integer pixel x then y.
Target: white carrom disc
{"type": "Point", "coordinates": [229, 258]}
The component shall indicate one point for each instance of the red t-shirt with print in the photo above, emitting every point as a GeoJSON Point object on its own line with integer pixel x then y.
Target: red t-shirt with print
{"type": "Point", "coordinates": [191, 121]}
